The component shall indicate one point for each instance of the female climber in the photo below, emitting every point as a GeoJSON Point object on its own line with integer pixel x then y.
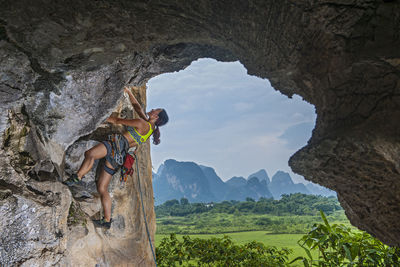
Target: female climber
{"type": "Point", "coordinates": [115, 149]}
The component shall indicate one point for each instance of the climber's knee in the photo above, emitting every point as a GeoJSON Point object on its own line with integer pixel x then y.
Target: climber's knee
{"type": "Point", "coordinates": [102, 190]}
{"type": "Point", "coordinates": [88, 154]}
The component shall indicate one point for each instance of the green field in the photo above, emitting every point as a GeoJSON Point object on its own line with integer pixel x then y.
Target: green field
{"type": "Point", "coordinates": [280, 231]}
{"type": "Point", "coordinates": [277, 240]}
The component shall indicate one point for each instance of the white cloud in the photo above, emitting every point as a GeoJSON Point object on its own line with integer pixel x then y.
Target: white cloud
{"type": "Point", "coordinates": [243, 106]}
{"type": "Point", "coordinates": [267, 142]}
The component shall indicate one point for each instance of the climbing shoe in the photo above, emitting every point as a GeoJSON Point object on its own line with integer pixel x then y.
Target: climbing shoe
{"type": "Point", "coordinates": [102, 223]}
{"type": "Point", "coordinates": [73, 180]}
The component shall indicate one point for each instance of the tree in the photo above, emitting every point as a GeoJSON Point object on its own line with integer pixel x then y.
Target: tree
{"type": "Point", "coordinates": [170, 203]}
{"type": "Point", "coordinates": [184, 201]}
{"type": "Point", "coordinates": [249, 199]}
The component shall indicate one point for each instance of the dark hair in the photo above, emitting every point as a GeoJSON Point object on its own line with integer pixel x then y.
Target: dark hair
{"type": "Point", "coordinates": [162, 120]}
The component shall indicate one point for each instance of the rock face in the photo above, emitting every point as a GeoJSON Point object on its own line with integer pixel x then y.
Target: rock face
{"type": "Point", "coordinates": [63, 66]}
{"type": "Point", "coordinates": [320, 190]}
{"type": "Point", "coordinates": [45, 224]}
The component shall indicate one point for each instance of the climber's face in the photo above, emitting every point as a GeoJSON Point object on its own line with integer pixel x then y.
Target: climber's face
{"type": "Point", "coordinates": [153, 114]}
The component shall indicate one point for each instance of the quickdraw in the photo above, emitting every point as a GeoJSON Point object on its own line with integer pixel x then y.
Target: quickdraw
{"type": "Point", "coordinates": [127, 167]}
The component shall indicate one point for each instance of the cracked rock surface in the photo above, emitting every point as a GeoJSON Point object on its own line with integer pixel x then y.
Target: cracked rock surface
{"type": "Point", "coordinates": [63, 66]}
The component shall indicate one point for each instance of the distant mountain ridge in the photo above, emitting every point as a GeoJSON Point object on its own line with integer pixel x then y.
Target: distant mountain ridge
{"type": "Point", "coordinates": [239, 189]}
{"type": "Point", "coordinates": [261, 175]}
{"type": "Point", "coordinates": [198, 183]}
{"type": "Point", "coordinates": [282, 183]}
{"type": "Point", "coordinates": [183, 179]}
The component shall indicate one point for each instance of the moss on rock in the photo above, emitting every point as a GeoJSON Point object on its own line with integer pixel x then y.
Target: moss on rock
{"type": "Point", "coordinates": [76, 215]}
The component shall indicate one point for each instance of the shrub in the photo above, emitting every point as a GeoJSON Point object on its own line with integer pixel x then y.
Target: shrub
{"type": "Point", "coordinates": [264, 221]}
{"type": "Point", "coordinates": [338, 245]}
{"type": "Point", "coordinates": [218, 252]}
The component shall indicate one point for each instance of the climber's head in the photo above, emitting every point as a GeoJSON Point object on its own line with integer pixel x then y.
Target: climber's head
{"type": "Point", "coordinates": [160, 118]}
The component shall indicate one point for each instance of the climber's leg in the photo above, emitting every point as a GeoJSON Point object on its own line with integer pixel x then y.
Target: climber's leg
{"type": "Point", "coordinates": [102, 188]}
{"type": "Point", "coordinates": [97, 152]}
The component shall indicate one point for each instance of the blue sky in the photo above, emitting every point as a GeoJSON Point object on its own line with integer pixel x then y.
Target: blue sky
{"type": "Point", "coordinates": [223, 118]}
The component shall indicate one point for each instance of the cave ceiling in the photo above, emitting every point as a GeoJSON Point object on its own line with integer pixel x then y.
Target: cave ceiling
{"type": "Point", "coordinates": [67, 61]}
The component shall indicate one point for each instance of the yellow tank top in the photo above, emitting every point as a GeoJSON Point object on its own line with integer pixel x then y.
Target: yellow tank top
{"type": "Point", "coordinates": [139, 139]}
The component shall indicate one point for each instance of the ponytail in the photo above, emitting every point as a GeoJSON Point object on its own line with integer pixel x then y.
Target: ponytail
{"type": "Point", "coordinates": [156, 136]}
{"type": "Point", "coordinates": [162, 119]}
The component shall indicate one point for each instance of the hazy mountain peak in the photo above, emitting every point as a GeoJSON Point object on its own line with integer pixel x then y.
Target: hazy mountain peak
{"type": "Point", "coordinates": [175, 179]}
{"type": "Point", "coordinates": [182, 179]}
{"type": "Point", "coordinates": [253, 181]}
{"type": "Point", "coordinates": [208, 169]}
{"type": "Point", "coordinates": [160, 169]}
{"type": "Point", "coordinates": [237, 181]}
{"type": "Point", "coordinates": [217, 186]}
{"type": "Point", "coordinates": [282, 177]}
{"type": "Point", "coordinates": [261, 175]}
{"type": "Point", "coordinates": [282, 183]}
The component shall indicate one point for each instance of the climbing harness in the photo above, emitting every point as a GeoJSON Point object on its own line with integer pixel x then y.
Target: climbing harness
{"type": "Point", "coordinates": [116, 149]}
{"type": "Point", "coordinates": [144, 213]}
{"type": "Point", "coordinates": [116, 146]}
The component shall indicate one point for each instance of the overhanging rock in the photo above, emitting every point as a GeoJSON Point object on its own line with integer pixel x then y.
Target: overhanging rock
{"type": "Point", "coordinates": [63, 66]}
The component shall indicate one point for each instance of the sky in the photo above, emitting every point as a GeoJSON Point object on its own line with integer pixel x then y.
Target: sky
{"type": "Point", "coordinates": [221, 117]}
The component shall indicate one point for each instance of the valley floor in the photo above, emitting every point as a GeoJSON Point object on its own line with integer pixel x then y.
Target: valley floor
{"type": "Point", "coordinates": [279, 231]}
{"type": "Point", "coordinates": [277, 240]}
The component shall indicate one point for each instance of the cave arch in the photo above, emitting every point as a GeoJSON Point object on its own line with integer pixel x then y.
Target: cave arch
{"type": "Point", "coordinates": [218, 108]}
{"type": "Point", "coordinates": [340, 57]}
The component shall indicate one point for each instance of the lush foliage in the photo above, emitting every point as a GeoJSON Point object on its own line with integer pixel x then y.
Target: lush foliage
{"type": "Point", "coordinates": [325, 245]}
{"type": "Point", "coordinates": [338, 245]}
{"type": "Point", "coordinates": [294, 204]}
{"type": "Point", "coordinates": [278, 240]}
{"type": "Point", "coordinates": [218, 252]}
{"type": "Point", "coordinates": [275, 216]}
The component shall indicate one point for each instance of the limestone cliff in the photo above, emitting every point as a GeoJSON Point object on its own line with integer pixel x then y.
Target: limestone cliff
{"type": "Point", "coordinates": [63, 65]}
{"type": "Point", "coordinates": [44, 223]}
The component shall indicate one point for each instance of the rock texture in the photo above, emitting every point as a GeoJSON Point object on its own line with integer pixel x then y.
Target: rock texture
{"type": "Point", "coordinates": [63, 65]}
{"type": "Point", "coordinates": [46, 224]}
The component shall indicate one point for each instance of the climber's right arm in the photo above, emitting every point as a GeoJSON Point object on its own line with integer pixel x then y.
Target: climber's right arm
{"type": "Point", "coordinates": [137, 123]}
{"type": "Point", "coordinates": [135, 104]}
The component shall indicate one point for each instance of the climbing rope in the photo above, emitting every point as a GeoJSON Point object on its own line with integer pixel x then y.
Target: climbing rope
{"type": "Point", "coordinates": [144, 213]}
